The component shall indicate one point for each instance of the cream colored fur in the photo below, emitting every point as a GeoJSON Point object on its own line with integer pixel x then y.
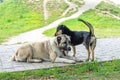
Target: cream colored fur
{"type": "Point", "coordinates": [43, 51]}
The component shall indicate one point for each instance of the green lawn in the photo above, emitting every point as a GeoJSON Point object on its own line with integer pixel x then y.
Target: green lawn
{"type": "Point", "coordinates": [108, 8]}
{"type": "Point", "coordinates": [85, 71]}
{"type": "Point", "coordinates": [55, 9]}
{"type": "Point", "coordinates": [16, 18]}
{"type": "Point", "coordinates": [104, 26]}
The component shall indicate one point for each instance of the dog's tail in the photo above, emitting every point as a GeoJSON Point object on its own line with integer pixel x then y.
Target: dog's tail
{"type": "Point", "coordinates": [13, 57]}
{"type": "Point", "coordinates": [89, 25]}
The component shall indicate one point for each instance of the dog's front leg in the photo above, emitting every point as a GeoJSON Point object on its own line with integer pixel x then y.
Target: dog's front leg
{"type": "Point", "coordinates": [64, 60]}
{"type": "Point", "coordinates": [74, 50]}
{"type": "Point", "coordinates": [52, 56]}
{"type": "Point", "coordinates": [65, 53]}
{"type": "Point", "coordinates": [72, 58]}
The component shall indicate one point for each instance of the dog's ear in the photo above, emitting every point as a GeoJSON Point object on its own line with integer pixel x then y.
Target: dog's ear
{"type": "Point", "coordinates": [58, 32]}
{"type": "Point", "coordinates": [58, 39]}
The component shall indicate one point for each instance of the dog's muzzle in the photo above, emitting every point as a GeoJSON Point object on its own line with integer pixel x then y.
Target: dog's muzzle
{"type": "Point", "coordinates": [65, 49]}
{"type": "Point", "coordinates": [68, 49]}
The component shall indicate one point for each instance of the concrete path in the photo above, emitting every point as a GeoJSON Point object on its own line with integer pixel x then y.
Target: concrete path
{"type": "Point", "coordinates": [106, 49]}
{"type": "Point", "coordinates": [72, 7]}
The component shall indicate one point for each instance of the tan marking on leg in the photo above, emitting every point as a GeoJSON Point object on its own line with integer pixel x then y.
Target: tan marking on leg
{"type": "Point", "coordinates": [74, 50]}
{"type": "Point", "coordinates": [92, 54]}
{"type": "Point", "coordinates": [88, 50]}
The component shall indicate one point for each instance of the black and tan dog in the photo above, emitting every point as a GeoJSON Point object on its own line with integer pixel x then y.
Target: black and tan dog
{"type": "Point", "coordinates": [79, 37]}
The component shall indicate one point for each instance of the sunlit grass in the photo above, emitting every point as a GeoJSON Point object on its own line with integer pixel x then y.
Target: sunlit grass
{"type": "Point", "coordinates": [15, 18]}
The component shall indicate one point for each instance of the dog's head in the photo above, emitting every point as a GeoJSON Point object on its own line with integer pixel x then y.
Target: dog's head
{"type": "Point", "coordinates": [63, 42]}
{"type": "Point", "coordinates": [61, 29]}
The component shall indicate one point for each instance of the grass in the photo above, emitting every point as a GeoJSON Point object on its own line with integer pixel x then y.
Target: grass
{"type": "Point", "coordinates": [104, 26]}
{"type": "Point", "coordinates": [55, 9]}
{"type": "Point", "coordinates": [84, 71]}
{"type": "Point", "coordinates": [16, 18]}
{"type": "Point", "coordinates": [108, 8]}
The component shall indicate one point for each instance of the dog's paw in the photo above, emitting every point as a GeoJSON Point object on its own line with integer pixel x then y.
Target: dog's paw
{"type": "Point", "coordinates": [77, 60]}
{"type": "Point", "coordinates": [70, 62]}
{"type": "Point", "coordinates": [80, 61]}
{"type": "Point", "coordinates": [73, 55]}
{"type": "Point", "coordinates": [92, 60]}
{"type": "Point", "coordinates": [87, 60]}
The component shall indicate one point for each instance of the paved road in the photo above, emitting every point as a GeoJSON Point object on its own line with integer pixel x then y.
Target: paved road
{"type": "Point", "coordinates": [106, 49]}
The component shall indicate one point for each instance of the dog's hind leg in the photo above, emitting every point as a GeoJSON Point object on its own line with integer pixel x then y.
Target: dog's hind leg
{"type": "Point", "coordinates": [34, 60]}
{"type": "Point", "coordinates": [88, 51]}
{"type": "Point", "coordinates": [92, 47]}
{"type": "Point", "coordinates": [30, 60]}
{"type": "Point", "coordinates": [92, 54]}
